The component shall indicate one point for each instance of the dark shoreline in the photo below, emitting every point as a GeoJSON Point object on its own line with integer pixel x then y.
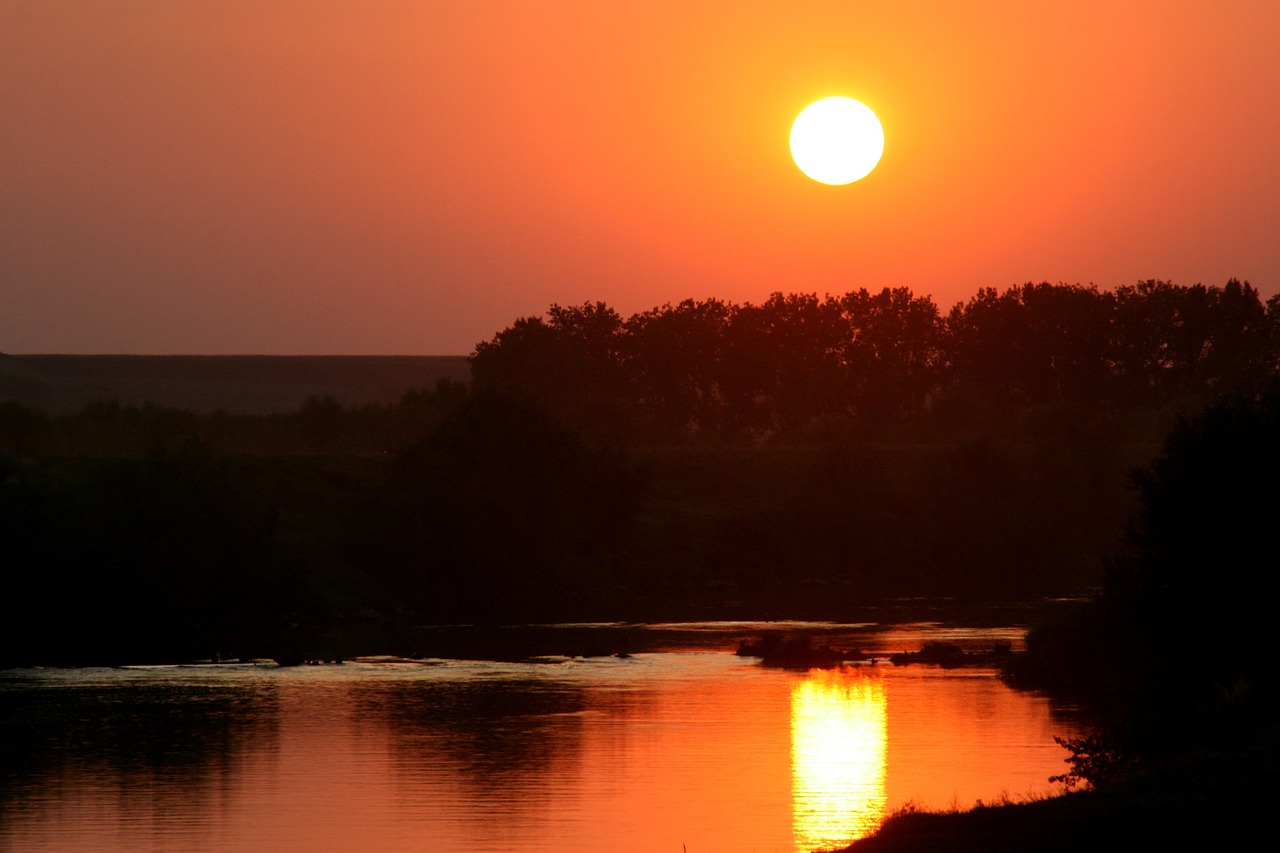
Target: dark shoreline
{"type": "Point", "coordinates": [918, 623]}
{"type": "Point", "coordinates": [1200, 801]}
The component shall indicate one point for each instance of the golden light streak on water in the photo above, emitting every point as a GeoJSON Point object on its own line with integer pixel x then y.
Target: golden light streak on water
{"type": "Point", "coordinates": [839, 735]}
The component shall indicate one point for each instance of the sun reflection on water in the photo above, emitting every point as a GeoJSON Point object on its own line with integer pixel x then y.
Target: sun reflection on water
{"type": "Point", "coordinates": [838, 744]}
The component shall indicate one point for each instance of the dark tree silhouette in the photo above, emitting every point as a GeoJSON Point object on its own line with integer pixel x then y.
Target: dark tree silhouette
{"type": "Point", "coordinates": [783, 365]}
{"type": "Point", "coordinates": [1203, 538]}
{"type": "Point", "coordinates": [889, 348]}
{"type": "Point", "coordinates": [523, 357]}
{"type": "Point", "coordinates": [676, 357]}
{"type": "Point", "coordinates": [716, 368]}
{"type": "Point", "coordinates": [1034, 343]}
{"type": "Point", "coordinates": [499, 514]}
{"type": "Point", "coordinates": [161, 558]}
{"type": "Point", "coordinates": [1176, 652]}
{"type": "Point", "coordinates": [21, 429]}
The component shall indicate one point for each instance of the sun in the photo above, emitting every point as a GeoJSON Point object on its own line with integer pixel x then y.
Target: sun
{"type": "Point", "coordinates": [837, 140]}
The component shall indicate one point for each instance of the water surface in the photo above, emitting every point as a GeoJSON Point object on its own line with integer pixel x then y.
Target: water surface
{"type": "Point", "coordinates": [680, 748]}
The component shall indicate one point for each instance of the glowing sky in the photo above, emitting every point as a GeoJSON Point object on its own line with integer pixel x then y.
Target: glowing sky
{"type": "Point", "coordinates": [410, 176]}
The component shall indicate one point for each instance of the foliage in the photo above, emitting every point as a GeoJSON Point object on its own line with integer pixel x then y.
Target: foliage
{"type": "Point", "coordinates": [21, 428]}
{"type": "Point", "coordinates": [498, 514]}
{"type": "Point", "coordinates": [1175, 652]}
{"type": "Point", "coordinates": [155, 558]}
{"type": "Point", "coordinates": [1094, 761]}
{"type": "Point", "coordinates": [777, 368]}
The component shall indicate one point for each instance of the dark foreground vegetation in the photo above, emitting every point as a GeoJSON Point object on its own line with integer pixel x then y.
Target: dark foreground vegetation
{"type": "Point", "coordinates": [1173, 660]}
{"type": "Point", "coordinates": [803, 457]}
{"type": "Point", "coordinates": [1204, 801]}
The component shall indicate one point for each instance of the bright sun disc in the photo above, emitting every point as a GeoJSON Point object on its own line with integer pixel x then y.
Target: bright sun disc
{"type": "Point", "coordinates": [837, 140]}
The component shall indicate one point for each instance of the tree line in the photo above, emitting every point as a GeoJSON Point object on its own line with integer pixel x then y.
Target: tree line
{"type": "Point", "coordinates": [135, 549]}
{"type": "Point", "coordinates": [320, 426]}
{"type": "Point", "coordinates": [718, 368]}
{"type": "Point", "coordinates": [558, 485]}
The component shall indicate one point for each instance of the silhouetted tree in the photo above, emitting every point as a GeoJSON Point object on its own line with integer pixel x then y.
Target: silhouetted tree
{"type": "Point", "coordinates": [1176, 651]}
{"type": "Point", "coordinates": [781, 366]}
{"type": "Point", "coordinates": [1192, 342]}
{"type": "Point", "coordinates": [1239, 357]}
{"type": "Point", "coordinates": [500, 514]}
{"type": "Point", "coordinates": [1033, 343]}
{"type": "Point", "coordinates": [152, 559]}
{"type": "Point", "coordinates": [675, 356]}
{"type": "Point", "coordinates": [889, 347]}
{"type": "Point", "coordinates": [1203, 538]}
{"type": "Point", "coordinates": [522, 358]}
{"type": "Point", "coordinates": [571, 362]}
{"type": "Point", "coordinates": [22, 429]}
{"type": "Point", "coordinates": [782, 363]}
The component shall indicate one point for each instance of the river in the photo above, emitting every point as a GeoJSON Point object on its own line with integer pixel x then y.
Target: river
{"type": "Point", "coordinates": [680, 747]}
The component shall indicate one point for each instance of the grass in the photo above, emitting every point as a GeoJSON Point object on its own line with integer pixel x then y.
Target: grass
{"type": "Point", "coordinates": [1204, 801]}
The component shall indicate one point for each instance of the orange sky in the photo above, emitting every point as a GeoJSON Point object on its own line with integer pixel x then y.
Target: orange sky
{"type": "Point", "coordinates": [410, 176]}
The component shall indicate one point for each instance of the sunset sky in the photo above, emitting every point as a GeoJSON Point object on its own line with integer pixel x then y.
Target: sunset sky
{"type": "Point", "coordinates": [410, 176]}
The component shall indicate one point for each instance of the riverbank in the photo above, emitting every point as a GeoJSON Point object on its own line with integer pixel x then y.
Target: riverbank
{"type": "Point", "coordinates": [1201, 801]}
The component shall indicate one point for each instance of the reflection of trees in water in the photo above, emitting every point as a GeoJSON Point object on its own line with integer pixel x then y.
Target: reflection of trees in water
{"type": "Point", "coordinates": [175, 740]}
{"type": "Point", "coordinates": [492, 730]}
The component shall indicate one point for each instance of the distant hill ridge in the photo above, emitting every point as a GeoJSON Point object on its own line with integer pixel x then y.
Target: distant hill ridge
{"type": "Point", "coordinates": [251, 384]}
